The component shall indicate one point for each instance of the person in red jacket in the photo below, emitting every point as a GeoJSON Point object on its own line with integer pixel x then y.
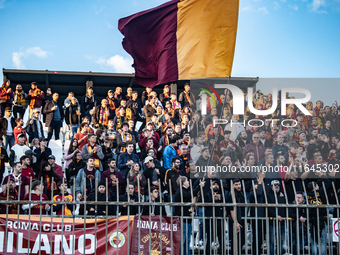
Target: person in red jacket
{"type": "Point", "coordinates": [55, 167]}
{"type": "Point", "coordinates": [36, 97]}
{"type": "Point", "coordinates": [81, 136]}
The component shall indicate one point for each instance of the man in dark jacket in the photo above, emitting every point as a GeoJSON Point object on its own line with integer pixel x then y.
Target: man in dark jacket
{"type": "Point", "coordinates": [3, 158]}
{"type": "Point", "coordinates": [7, 127]}
{"type": "Point", "coordinates": [132, 197]}
{"type": "Point", "coordinates": [183, 195]}
{"type": "Point", "coordinates": [214, 224]}
{"type": "Point", "coordinates": [54, 116]}
{"type": "Point", "coordinates": [153, 210]}
{"type": "Point", "coordinates": [258, 226]}
{"type": "Point", "coordinates": [88, 102]}
{"type": "Point", "coordinates": [34, 126]}
{"type": "Point", "coordinates": [73, 116]}
{"type": "Point", "coordinates": [150, 108]}
{"type": "Point", "coordinates": [278, 214]}
{"type": "Point", "coordinates": [126, 159]}
{"type": "Point", "coordinates": [100, 196]}
{"type": "Point", "coordinates": [316, 195]}
{"type": "Point", "coordinates": [101, 115]}
{"type": "Point", "coordinates": [113, 177]}
{"type": "Point", "coordinates": [240, 214]}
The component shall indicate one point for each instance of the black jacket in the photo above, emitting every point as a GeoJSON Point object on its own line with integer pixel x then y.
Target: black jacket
{"type": "Point", "coordinates": [71, 116]}
{"type": "Point", "coordinates": [72, 171]}
{"type": "Point", "coordinates": [99, 209]}
{"type": "Point", "coordinates": [147, 210]}
{"type": "Point", "coordinates": [32, 130]}
{"type": "Point", "coordinates": [133, 208]}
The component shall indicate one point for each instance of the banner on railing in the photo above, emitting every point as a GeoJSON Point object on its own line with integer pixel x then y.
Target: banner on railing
{"type": "Point", "coordinates": [29, 235]}
{"type": "Point", "coordinates": [336, 224]}
{"type": "Point", "coordinates": [73, 236]}
{"type": "Point", "coordinates": [156, 234]}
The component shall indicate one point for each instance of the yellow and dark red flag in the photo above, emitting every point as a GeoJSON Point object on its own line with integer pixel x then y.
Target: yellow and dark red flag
{"type": "Point", "coordinates": [181, 40]}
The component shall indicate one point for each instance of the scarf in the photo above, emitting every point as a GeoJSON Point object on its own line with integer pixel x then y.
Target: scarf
{"type": "Point", "coordinates": [21, 99]}
{"type": "Point", "coordinates": [123, 149]}
{"type": "Point", "coordinates": [176, 148]}
{"type": "Point", "coordinates": [186, 167]}
{"type": "Point", "coordinates": [166, 140]}
{"type": "Point", "coordinates": [104, 115]}
{"type": "Point", "coordinates": [96, 159]}
{"type": "Point", "coordinates": [49, 184]}
{"type": "Point", "coordinates": [116, 95]}
{"type": "Point", "coordinates": [332, 157]}
{"type": "Point", "coordinates": [112, 103]}
{"type": "Point", "coordinates": [166, 95]}
{"type": "Point", "coordinates": [175, 104]}
{"type": "Point", "coordinates": [187, 97]}
{"type": "Point", "coordinates": [35, 93]}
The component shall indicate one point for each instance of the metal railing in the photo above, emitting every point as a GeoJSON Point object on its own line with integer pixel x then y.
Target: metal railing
{"type": "Point", "coordinates": [303, 229]}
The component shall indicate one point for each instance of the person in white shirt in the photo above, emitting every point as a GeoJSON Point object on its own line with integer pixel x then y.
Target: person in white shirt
{"type": "Point", "coordinates": [235, 127]}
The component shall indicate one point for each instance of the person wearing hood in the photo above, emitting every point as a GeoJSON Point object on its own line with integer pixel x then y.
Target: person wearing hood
{"type": "Point", "coordinates": [238, 218]}
{"type": "Point", "coordinates": [101, 195]}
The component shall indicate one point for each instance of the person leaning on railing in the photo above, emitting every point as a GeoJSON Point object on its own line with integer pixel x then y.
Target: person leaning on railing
{"type": "Point", "coordinates": [36, 194]}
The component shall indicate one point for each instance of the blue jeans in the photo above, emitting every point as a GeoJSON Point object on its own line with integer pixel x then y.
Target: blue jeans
{"type": "Point", "coordinates": [200, 214]}
{"type": "Point", "coordinates": [73, 130]}
{"type": "Point", "coordinates": [314, 243]}
{"type": "Point", "coordinates": [187, 228]}
{"type": "Point", "coordinates": [273, 237]}
{"type": "Point", "coordinates": [9, 141]}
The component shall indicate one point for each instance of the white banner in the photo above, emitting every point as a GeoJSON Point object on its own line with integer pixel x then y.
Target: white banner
{"type": "Point", "coordinates": [335, 225]}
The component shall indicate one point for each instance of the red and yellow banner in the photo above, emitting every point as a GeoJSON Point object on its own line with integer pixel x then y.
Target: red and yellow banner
{"type": "Point", "coordinates": [156, 234]}
{"type": "Point", "coordinates": [30, 235]}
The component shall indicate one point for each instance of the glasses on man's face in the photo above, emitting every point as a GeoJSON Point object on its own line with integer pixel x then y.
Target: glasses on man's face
{"type": "Point", "coordinates": [79, 155]}
{"type": "Point", "coordinates": [155, 191]}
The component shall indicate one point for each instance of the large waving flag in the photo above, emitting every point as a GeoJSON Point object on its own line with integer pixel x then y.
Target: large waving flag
{"type": "Point", "coordinates": [181, 40]}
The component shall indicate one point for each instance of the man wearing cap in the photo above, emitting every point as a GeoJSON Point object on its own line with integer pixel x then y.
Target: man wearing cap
{"type": "Point", "coordinates": [54, 116]}
{"type": "Point", "coordinates": [153, 172]}
{"type": "Point", "coordinates": [113, 177]}
{"type": "Point", "coordinates": [35, 96]}
{"type": "Point", "coordinates": [3, 158]}
{"type": "Point", "coordinates": [10, 194]}
{"type": "Point", "coordinates": [20, 180]}
{"type": "Point", "coordinates": [18, 150]}
{"type": "Point", "coordinates": [34, 127]}
{"type": "Point", "coordinates": [274, 196]}
{"type": "Point", "coordinates": [7, 128]}
{"type": "Point", "coordinates": [55, 167]}
{"type": "Point", "coordinates": [88, 102]}
{"type": "Point", "coordinates": [42, 154]}
{"type": "Point", "coordinates": [101, 115]}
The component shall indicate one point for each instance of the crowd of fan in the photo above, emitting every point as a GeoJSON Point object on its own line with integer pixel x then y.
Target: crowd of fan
{"type": "Point", "coordinates": [109, 160]}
